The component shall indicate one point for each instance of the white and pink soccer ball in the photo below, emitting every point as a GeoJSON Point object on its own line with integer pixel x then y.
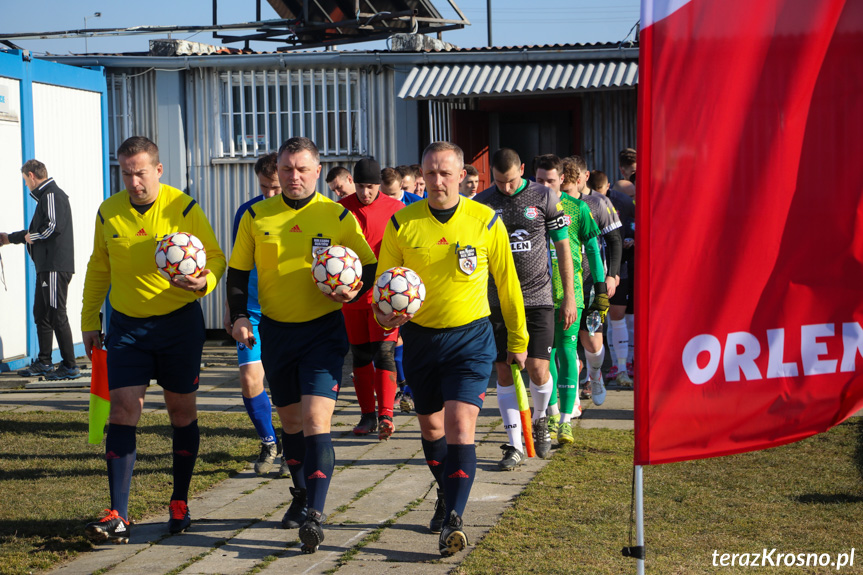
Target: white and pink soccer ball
{"type": "Point", "coordinates": [180, 253]}
{"type": "Point", "coordinates": [399, 290]}
{"type": "Point", "coordinates": [337, 269]}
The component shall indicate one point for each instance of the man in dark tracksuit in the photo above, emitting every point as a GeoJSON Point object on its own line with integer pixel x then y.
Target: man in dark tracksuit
{"type": "Point", "coordinates": [51, 245]}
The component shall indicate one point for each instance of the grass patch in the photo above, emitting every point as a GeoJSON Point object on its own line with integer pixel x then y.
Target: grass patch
{"type": "Point", "coordinates": [52, 482]}
{"type": "Point", "coordinates": [800, 498]}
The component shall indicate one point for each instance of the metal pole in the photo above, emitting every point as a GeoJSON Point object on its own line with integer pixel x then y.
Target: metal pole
{"type": "Point", "coordinates": [94, 15]}
{"type": "Point", "coordinates": [639, 517]}
{"type": "Point", "coordinates": [488, 14]}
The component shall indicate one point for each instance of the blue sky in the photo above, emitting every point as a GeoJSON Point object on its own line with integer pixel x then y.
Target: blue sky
{"type": "Point", "coordinates": [514, 23]}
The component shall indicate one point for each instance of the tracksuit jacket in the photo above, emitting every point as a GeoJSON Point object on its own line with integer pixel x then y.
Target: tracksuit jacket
{"type": "Point", "coordinates": [53, 247]}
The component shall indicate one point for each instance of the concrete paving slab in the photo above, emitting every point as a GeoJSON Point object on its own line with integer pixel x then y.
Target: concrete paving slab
{"type": "Point", "coordinates": [105, 556]}
{"type": "Point", "coordinates": [174, 551]}
{"type": "Point", "coordinates": [338, 540]}
{"type": "Point", "coordinates": [356, 567]}
{"type": "Point", "coordinates": [236, 524]}
{"type": "Point", "coordinates": [245, 551]}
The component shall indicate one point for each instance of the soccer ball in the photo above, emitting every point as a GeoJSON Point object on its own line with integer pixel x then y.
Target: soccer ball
{"type": "Point", "coordinates": [399, 290]}
{"type": "Point", "coordinates": [336, 269]}
{"type": "Point", "coordinates": [180, 254]}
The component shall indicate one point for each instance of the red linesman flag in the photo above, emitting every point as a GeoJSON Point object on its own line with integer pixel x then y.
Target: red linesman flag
{"type": "Point", "coordinates": [749, 244]}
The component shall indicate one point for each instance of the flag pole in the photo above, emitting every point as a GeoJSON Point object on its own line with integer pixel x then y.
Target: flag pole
{"type": "Point", "coordinates": [639, 519]}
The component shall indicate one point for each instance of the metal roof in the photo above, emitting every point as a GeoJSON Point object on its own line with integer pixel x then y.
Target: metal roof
{"type": "Point", "coordinates": [464, 80]}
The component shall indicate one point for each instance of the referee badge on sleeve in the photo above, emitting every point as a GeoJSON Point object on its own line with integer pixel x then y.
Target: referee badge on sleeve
{"type": "Point", "coordinates": [466, 260]}
{"type": "Point", "coordinates": [320, 243]}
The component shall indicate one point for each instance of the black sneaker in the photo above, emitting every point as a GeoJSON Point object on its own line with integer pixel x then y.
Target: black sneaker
{"type": "Point", "coordinates": [180, 519]}
{"type": "Point", "coordinates": [36, 369]}
{"type": "Point", "coordinates": [269, 452]}
{"type": "Point", "coordinates": [297, 512]}
{"type": "Point", "coordinates": [63, 372]}
{"type": "Point", "coordinates": [541, 437]}
{"type": "Point", "coordinates": [368, 424]}
{"type": "Point", "coordinates": [452, 538]}
{"type": "Point", "coordinates": [385, 427]}
{"type": "Point", "coordinates": [437, 520]}
{"type": "Point", "coordinates": [512, 458]}
{"type": "Point", "coordinates": [110, 529]}
{"type": "Point", "coordinates": [311, 533]}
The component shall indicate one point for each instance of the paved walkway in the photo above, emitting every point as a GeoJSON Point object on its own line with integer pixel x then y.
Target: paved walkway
{"type": "Point", "coordinates": [379, 502]}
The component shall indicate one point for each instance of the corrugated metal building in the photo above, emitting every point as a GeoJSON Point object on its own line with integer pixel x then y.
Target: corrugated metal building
{"type": "Point", "coordinates": [213, 115]}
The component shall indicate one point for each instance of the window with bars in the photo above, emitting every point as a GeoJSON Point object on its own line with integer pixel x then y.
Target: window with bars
{"type": "Point", "coordinates": [262, 109]}
{"type": "Point", "coordinates": [119, 112]}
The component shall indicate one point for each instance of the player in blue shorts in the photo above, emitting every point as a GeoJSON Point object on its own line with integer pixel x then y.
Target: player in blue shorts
{"type": "Point", "coordinates": [453, 244]}
{"type": "Point", "coordinates": [156, 330]}
{"type": "Point", "coordinates": [303, 339]}
{"type": "Point", "coordinates": [255, 397]}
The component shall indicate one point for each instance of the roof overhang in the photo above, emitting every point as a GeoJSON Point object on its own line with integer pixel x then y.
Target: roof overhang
{"type": "Point", "coordinates": [450, 81]}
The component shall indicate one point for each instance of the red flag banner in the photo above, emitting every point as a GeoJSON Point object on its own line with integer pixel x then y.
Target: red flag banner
{"type": "Point", "coordinates": [749, 291]}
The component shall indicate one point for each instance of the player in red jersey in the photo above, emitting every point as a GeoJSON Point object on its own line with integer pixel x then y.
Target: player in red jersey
{"type": "Point", "coordinates": [371, 346]}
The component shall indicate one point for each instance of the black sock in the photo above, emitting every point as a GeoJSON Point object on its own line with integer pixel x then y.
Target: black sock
{"type": "Point", "coordinates": [294, 454]}
{"type": "Point", "coordinates": [460, 471]}
{"type": "Point", "coordinates": [435, 453]}
{"type": "Point", "coordinates": [120, 455]}
{"type": "Point", "coordinates": [318, 470]}
{"type": "Point", "coordinates": [186, 442]}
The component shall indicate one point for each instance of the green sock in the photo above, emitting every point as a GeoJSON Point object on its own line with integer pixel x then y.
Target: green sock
{"type": "Point", "coordinates": [567, 383]}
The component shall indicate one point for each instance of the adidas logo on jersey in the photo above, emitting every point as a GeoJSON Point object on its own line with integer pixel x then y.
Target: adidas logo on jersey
{"type": "Point", "coordinates": [442, 242]}
{"type": "Point", "coordinates": [317, 475]}
{"type": "Point", "coordinates": [459, 475]}
{"type": "Point", "coordinates": [141, 232]}
{"type": "Point", "coordinates": [296, 228]}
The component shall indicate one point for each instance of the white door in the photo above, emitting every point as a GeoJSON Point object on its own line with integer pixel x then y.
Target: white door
{"type": "Point", "coordinates": [14, 314]}
{"type": "Point", "coordinates": [67, 126]}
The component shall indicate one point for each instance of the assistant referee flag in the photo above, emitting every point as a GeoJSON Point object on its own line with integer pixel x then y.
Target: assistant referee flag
{"type": "Point", "coordinates": [100, 398]}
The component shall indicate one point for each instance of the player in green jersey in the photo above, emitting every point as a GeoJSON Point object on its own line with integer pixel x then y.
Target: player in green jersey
{"type": "Point", "coordinates": [583, 231]}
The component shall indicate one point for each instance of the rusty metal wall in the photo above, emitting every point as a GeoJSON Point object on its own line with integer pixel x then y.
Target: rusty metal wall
{"type": "Point", "coordinates": [609, 122]}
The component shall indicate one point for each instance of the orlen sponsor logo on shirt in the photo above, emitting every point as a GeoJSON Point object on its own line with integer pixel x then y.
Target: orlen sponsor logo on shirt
{"type": "Point", "coordinates": [518, 241]}
{"type": "Point", "coordinates": [820, 349]}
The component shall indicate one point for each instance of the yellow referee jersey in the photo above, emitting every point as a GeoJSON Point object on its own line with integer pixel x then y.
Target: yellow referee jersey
{"type": "Point", "coordinates": [124, 249]}
{"type": "Point", "coordinates": [454, 260]}
{"type": "Point", "coordinates": [279, 241]}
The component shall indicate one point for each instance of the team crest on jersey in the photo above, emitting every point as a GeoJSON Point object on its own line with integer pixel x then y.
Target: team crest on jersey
{"type": "Point", "coordinates": [519, 242]}
{"type": "Point", "coordinates": [531, 212]}
{"type": "Point", "coordinates": [320, 243]}
{"type": "Point", "coordinates": [567, 220]}
{"type": "Point", "coordinates": [467, 260]}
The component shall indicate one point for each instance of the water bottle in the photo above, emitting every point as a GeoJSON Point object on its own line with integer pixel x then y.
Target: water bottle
{"type": "Point", "coordinates": [594, 322]}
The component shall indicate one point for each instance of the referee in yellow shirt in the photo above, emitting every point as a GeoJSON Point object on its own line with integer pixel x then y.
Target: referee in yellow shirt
{"type": "Point", "coordinates": [304, 341]}
{"type": "Point", "coordinates": [453, 244]}
{"type": "Point", "coordinates": [156, 329]}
